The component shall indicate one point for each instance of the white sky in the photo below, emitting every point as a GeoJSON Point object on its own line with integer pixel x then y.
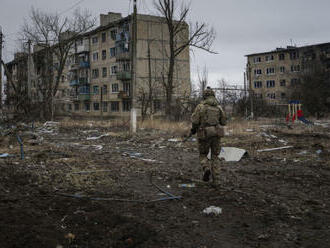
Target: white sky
{"type": "Point", "coordinates": [242, 26]}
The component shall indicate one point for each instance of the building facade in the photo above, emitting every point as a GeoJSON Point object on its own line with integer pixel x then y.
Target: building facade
{"type": "Point", "coordinates": [97, 80]}
{"type": "Point", "coordinates": [273, 75]}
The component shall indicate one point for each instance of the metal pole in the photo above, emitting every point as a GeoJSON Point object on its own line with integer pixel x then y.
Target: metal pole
{"type": "Point", "coordinates": [1, 42]}
{"type": "Point", "coordinates": [133, 67]}
{"type": "Point", "coordinates": [246, 113]}
{"type": "Point", "coordinates": [250, 89]}
{"type": "Point", "coordinates": [29, 70]}
{"type": "Point", "coordinates": [101, 102]}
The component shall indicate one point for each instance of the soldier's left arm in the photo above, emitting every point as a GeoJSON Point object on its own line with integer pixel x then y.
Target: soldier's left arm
{"type": "Point", "coordinates": [223, 118]}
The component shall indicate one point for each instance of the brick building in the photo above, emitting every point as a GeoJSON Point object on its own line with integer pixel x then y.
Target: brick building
{"type": "Point", "coordinates": [272, 75]}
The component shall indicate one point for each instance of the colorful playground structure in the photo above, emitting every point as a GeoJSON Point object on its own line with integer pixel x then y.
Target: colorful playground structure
{"type": "Point", "coordinates": [296, 113]}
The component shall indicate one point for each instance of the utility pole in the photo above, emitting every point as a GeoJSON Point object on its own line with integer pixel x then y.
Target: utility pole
{"type": "Point", "coordinates": [101, 104]}
{"type": "Point", "coordinates": [29, 65]}
{"type": "Point", "coordinates": [245, 95]}
{"type": "Point", "coordinates": [133, 68]}
{"type": "Point", "coordinates": [250, 88]}
{"type": "Point", "coordinates": [1, 42]}
{"type": "Point", "coordinates": [150, 81]}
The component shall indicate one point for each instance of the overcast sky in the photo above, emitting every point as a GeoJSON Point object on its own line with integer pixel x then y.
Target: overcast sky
{"type": "Point", "coordinates": [242, 26]}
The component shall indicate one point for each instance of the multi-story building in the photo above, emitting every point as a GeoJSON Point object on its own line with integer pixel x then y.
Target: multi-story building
{"type": "Point", "coordinates": [273, 75]}
{"type": "Point", "coordinates": [98, 78]}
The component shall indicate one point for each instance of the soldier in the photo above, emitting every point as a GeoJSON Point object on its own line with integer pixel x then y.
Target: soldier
{"type": "Point", "coordinates": [207, 120]}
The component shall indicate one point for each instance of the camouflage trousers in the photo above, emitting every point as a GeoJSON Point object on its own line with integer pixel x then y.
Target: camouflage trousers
{"type": "Point", "coordinates": [204, 146]}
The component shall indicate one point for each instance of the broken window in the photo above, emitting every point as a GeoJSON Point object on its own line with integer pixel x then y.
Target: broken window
{"type": "Point", "coordinates": [114, 106]}
{"type": "Point", "coordinates": [281, 56]}
{"type": "Point", "coordinates": [96, 106]}
{"type": "Point", "coordinates": [270, 83]}
{"type": "Point", "coordinates": [104, 72]}
{"type": "Point", "coordinates": [282, 82]}
{"type": "Point", "coordinates": [257, 84]}
{"type": "Point", "coordinates": [104, 54]}
{"type": "Point", "coordinates": [95, 40]}
{"type": "Point", "coordinates": [126, 106]}
{"type": "Point", "coordinates": [115, 88]}
{"type": "Point", "coordinates": [104, 37]}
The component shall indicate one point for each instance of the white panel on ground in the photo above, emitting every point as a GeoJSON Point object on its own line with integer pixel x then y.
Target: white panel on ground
{"type": "Point", "coordinates": [230, 154]}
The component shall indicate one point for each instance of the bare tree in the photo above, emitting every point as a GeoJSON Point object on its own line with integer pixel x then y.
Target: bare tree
{"type": "Point", "coordinates": [180, 38]}
{"type": "Point", "coordinates": [55, 36]}
{"type": "Point", "coordinates": [202, 81]}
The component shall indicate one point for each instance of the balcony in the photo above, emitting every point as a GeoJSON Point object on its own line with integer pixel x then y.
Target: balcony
{"type": "Point", "coordinates": [83, 48]}
{"type": "Point", "coordinates": [74, 66]}
{"type": "Point", "coordinates": [74, 97]}
{"type": "Point", "coordinates": [74, 83]}
{"type": "Point", "coordinates": [123, 56]}
{"type": "Point", "coordinates": [84, 64]}
{"type": "Point", "coordinates": [124, 75]}
{"type": "Point", "coordinates": [84, 97]}
{"type": "Point", "coordinates": [123, 94]}
{"type": "Point", "coordinates": [83, 80]}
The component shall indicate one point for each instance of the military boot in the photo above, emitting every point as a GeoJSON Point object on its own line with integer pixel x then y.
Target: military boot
{"type": "Point", "coordinates": [207, 173]}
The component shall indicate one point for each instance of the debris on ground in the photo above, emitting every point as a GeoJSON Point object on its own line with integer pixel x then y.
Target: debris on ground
{"type": "Point", "coordinates": [230, 154]}
{"type": "Point", "coordinates": [212, 210]}
{"type": "Point", "coordinates": [274, 149]}
{"type": "Point", "coordinates": [187, 185]}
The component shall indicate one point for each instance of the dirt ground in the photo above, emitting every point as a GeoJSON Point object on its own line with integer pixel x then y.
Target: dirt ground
{"type": "Point", "coordinates": [77, 189]}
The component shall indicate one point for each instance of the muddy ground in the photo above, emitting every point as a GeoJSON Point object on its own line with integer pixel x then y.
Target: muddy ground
{"type": "Point", "coordinates": [77, 189]}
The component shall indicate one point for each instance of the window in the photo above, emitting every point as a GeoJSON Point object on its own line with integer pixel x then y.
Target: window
{"type": "Point", "coordinates": [256, 60]}
{"type": "Point", "coordinates": [114, 106]}
{"type": "Point", "coordinates": [258, 96]}
{"type": "Point", "coordinates": [113, 34]}
{"type": "Point", "coordinates": [126, 106]}
{"type": "Point", "coordinates": [269, 57]}
{"type": "Point", "coordinates": [282, 69]}
{"type": "Point", "coordinates": [95, 73]}
{"type": "Point", "coordinates": [63, 78]}
{"type": "Point", "coordinates": [157, 105]}
{"type": "Point", "coordinates": [104, 37]}
{"type": "Point", "coordinates": [115, 88]}
{"type": "Point", "coordinates": [69, 107]}
{"type": "Point", "coordinates": [295, 68]}
{"type": "Point", "coordinates": [112, 51]}
{"type": "Point", "coordinates": [295, 81]}
{"type": "Point", "coordinates": [126, 66]}
{"type": "Point", "coordinates": [104, 72]}
{"type": "Point", "coordinates": [96, 89]}
{"type": "Point", "coordinates": [294, 55]}
{"type": "Point", "coordinates": [127, 88]}
{"type": "Point", "coordinates": [105, 107]}
{"type": "Point", "coordinates": [95, 40]}
{"type": "Point", "coordinates": [257, 84]}
{"type": "Point", "coordinates": [96, 106]}
{"type": "Point", "coordinates": [104, 54]}
{"type": "Point", "coordinates": [282, 82]}
{"type": "Point", "coordinates": [257, 72]}
{"type": "Point", "coordinates": [270, 71]}
{"type": "Point", "coordinates": [95, 56]}
{"type": "Point", "coordinates": [283, 95]}
{"type": "Point", "coordinates": [76, 106]}
{"type": "Point", "coordinates": [281, 56]}
{"type": "Point", "coordinates": [271, 95]}
{"type": "Point", "coordinates": [270, 83]}
{"type": "Point", "coordinates": [104, 89]}
{"type": "Point", "coordinates": [87, 106]}
{"type": "Point", "coordinates": [114, 69]}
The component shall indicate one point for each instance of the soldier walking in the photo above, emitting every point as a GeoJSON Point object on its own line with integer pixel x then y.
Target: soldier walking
{"type": "Point", "coordinates": [207, 121]}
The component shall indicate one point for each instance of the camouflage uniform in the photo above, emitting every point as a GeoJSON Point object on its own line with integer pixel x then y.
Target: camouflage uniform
{"type": "Point", "coordinates": [207, 120]}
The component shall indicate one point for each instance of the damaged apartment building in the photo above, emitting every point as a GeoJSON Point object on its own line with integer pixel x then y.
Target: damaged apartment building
{"type": "Point", "coordinates": [273, 75]}
{"type": "Point", "coordinates": [98, 79]}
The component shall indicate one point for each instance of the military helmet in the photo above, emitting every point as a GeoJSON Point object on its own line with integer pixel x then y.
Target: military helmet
{"type": "Point", "coordinates": [208, 92]}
